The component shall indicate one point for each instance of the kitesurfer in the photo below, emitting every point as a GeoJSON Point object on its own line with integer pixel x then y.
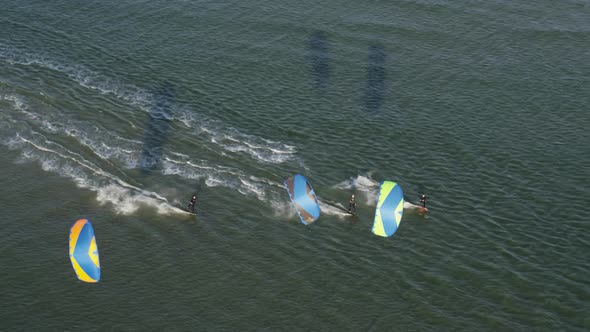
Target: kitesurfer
{"type": "Point", "coordinates": [352, 205]}
{"type": "Point", "coordinates": [192, 203]}
{"type": "Point", "coordinates": [423, 200]}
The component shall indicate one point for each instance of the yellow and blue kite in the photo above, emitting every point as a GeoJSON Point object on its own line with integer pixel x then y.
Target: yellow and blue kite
{"type": "Point", "coordinates": [84, 252]}
{"type": "Point", "coordinates": [389, 210]}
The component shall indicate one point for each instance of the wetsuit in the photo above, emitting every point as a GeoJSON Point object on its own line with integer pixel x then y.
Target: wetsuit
{"type": "Point", "coordinates": [352, 206]}
{"type": "Point", "coordinates": [423, 200]}
{"type": "Point", "coordinates": [191, 204]}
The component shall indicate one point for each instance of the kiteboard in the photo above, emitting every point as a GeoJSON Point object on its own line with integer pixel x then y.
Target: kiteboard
{"type": "Point", "coordinates": [186, 210]}
{"type": "Point", "coordinates": [421, 210]}
{"type": "Point", "coordinates": [416, 209]}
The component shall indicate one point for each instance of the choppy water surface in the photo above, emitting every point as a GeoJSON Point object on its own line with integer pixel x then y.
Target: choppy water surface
{"type": "Point", "coordinates": [118, 111]}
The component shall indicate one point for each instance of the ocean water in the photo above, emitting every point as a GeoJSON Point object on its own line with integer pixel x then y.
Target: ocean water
{"type": "Point", "coordinates": [118, 111]}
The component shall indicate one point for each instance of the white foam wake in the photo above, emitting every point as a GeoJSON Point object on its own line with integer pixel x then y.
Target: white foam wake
{"type": "Point", "coordinates": [54, 157]}
{"type": "Point", "coordinates": [218, 133]}
{"type": "Point", "coordinates": [107, 145]}
{"type": "Point", "coordinates": [104, 143]}
{"type": "Point", "coordinates": [333, 209]}
{"type": "Point", "coordinates": [233, 140]}
{"type": "Point", "coordinates": [364, 187]}
{"type": "Point", "coordinates": [218, 175]}
{"type": "Point", "coordinates": [79, 74]}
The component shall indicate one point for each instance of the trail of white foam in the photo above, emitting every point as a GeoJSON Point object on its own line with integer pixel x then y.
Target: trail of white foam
{"type": "Point", "coordinates": [109, 146]}
{"type": "Point", "coordinates": [218, 133]}
{"type": "Point", "coordinates": [55, 158]}
{"type": "Point", "coordinates": [78, 73]}
{"type": "Point", "coordinates": [413, 208]}
{"type": "Point", "coordinates": [127, 201]}
{"type": "Point", "coordinates": [283, 209]}
{"type": "Point", "coordinates": [359, 182]}
{"type": "Point", "coordinates": [410, 206]}
{"type": "Point", "coordinates": [233, 140]}
{"type": "Point", "coordinates": [333, 209]}
{"type": "Point", "coordinates": [104, 143]}
{"type": "Point", "coordinates": [365, 188]}
{"type": "Point", "coordinates": [17, 103]}
{"type": "Point", "coordinates": [217, 175]}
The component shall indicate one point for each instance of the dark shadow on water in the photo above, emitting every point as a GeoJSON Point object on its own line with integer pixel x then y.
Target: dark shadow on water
{"type": "Point", "coordinates": [158, 127]}
{"type": "Point", "coordinates": [375, 78]}
{"type": "Point", "coordinates": [319, 58]}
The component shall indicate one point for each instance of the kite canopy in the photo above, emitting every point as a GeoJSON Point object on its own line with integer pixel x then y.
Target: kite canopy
{"type": "Point", "coordinates": [389, 210]}
{"type": "Point", "coordinates": [303, 198]}
{"type": "Point", "coordinates": [84, 252]}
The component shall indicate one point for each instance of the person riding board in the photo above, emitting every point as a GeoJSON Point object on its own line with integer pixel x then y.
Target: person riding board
{"type": "Point", "coordinates": [192, 203]}
{"type": "Point", "coordinates": [423, 200]}
{"type": "Point", "coordinates": [352, 205]}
